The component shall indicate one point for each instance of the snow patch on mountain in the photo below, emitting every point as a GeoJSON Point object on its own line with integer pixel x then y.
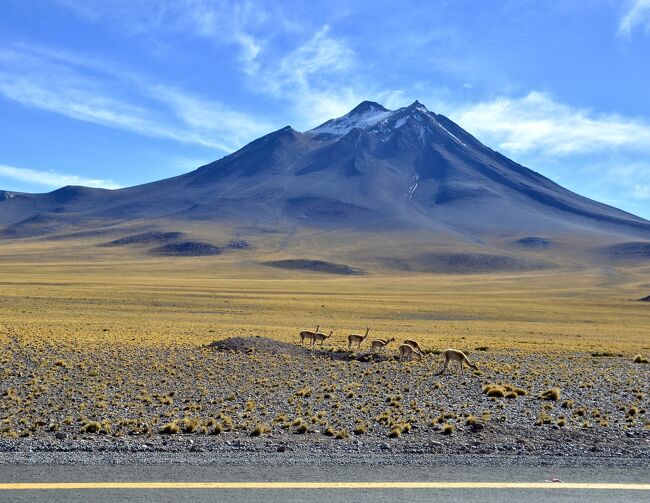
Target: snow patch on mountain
{"type": "Point", "coordinates": [343, 125]}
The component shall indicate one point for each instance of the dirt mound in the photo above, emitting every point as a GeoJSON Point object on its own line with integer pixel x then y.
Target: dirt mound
{"type": "Point", "coordinates": [315, 266]}
{"type": "Point", "coordinates": [187, 249]}
{"type": "Point", "coordinates": [272, 347]}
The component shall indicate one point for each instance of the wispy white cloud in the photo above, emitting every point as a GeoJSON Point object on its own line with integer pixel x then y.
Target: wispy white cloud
{"type": "Point", "coordinates": [537, 123]}
{"type": "Point", "coordinates": [210, 118]}
{"type": "Point", "coordinates": [319, 79]}
{"type": "Point", "coordinates": [52, 178]}
{"type": "Point", "coordinates": [637, 14]}
{"type": "Point", "coordinates": [245, 25]}
{"type": "Point", "coordinates": [74, 87]}
{"type": "Point", "coordinates": [315, 73]}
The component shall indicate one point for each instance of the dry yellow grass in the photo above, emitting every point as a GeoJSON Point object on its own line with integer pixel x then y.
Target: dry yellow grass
{"type": "Point", "coordinates": [84, 340]}
{"type": "Point", "coordinates": [148, 302]}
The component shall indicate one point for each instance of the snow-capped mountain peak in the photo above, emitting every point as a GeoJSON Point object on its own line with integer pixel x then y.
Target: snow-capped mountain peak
{"type": "Point", "coordinates": [369, 114]}
{"type": "Point", "coordinates": [363, 116]}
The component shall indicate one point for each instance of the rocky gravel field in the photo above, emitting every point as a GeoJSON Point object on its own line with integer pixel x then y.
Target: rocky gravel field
{"type": "Point", "coordinates": [255, 399]}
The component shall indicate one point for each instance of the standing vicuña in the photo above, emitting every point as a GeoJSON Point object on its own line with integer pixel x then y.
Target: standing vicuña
{"type": "Point", "coordinates": [378, 345]}
{"type": "Point", "coordinates": [319, 337]}
{"type": "Point", "coordinates": [357, 339]}
{"type": "Point", "coordinates": [306, 334]}
{"type": "Point", "coordinates": [414, 344]}
{"type": "Point", "coordinates": [407, 351]}
{"type": "Point", "coordinates": [458, 356]}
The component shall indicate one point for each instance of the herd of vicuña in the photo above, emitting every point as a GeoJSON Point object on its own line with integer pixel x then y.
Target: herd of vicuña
{"type": "Point", "coordinates": [408, 350]}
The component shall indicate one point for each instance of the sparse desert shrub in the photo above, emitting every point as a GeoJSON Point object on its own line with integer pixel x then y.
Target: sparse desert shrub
{"type": "Point", "coordinates": [91, 427]}
{"type": "Point", "coordinates": [603, 354]}
{"type": "Point", "coordinates": [551, 394]}
{"type": "Point", "coordinates": [341, 435]}
{"type": "Point", "coordinates": [190, 424]}
{"type": "Point", "coordinates": [471, 419]}
{"type": "Point", "coordinates": [170, 428]}
{"type": "Point", "coordinates": [481, 348]}
{"type": "Point", "coordinates": [395, 432]}
{"type": "Point", "coordinates": [567, 404]}
{"type": "Point", "coordinates": [543, 418]}
{"type": "Point", "coordinates": [260, 429]}
{"type": "Point", "coordinates": [448, 429]}
{"type": "Point", "coordinates": [640, 359]}
{"type": "Point", "coordinates": [359, 429]}
{"type": "Point", "coordinates": [301, 428]}
{"type": "Point", "coordinates": [303, 392]}
{"type": "Point", "coordinates": [329, 432]}
{"type": "Point", "coordinates": [494, 390]}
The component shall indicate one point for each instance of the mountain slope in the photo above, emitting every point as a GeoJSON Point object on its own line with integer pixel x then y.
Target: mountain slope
{"type": "Point", "coordinates": [372, 169]}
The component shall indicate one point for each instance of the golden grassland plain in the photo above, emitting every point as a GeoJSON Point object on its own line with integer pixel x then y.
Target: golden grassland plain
{"type": "Point", "coordinates": [109, 345]}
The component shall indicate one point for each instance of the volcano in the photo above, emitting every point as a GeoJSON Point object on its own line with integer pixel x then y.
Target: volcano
{"type": "Point", "coordinates": [371, 170]}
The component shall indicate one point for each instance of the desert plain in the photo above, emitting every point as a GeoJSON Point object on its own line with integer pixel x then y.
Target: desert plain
{"type": "Point", "coordinates": [118, 351]}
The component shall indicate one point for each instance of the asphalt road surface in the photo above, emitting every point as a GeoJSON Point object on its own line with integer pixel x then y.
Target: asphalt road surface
{"type": "Point", "coordinates": [331, 483]}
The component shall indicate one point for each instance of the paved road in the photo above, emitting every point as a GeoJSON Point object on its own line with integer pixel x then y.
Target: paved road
{"type": "Point", "coordinates": [377, 484]}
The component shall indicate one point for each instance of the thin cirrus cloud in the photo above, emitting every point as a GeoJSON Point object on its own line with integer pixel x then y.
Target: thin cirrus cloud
{"type": "Point", "coordinates": [537, 123]}
{"type": "Point", "coordinates": [636, 15]}
{"type": "Point", "coordinates": [52, 179]}
{"type": "Point", "coordinates": [73, 87]}
{"type": "Point", "coordinates": [319, 79]}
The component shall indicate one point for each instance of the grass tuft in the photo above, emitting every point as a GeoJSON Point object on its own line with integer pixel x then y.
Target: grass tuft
{"type": "Point", "coordinates": [170, 428]}
{"type": "Point", "coordinates": [551, 394]}
{"type": "Point", "coordinates": [261, 429]}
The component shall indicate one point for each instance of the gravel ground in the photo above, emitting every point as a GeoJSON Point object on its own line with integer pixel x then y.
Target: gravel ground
{"type": "Point", "coordinates": [258, 400]}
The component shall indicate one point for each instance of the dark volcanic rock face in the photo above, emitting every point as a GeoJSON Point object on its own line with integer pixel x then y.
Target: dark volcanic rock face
{"type": "Point", "coordinates": [464, 263]}
{"type": "Point", "coordinates": [534, 242]}
{"type": "Point", "coordinates": [238, 244]}
{"type": "Point", "coordinates": [187, 249]}
{"type": "Point", "coordinates": [145, 238]}
{"type": "Point", "coordinates": [315, 266]}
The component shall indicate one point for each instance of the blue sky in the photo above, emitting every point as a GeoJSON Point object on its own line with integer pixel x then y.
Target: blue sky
{"type": "Point", "coordinates": [114, 93]}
